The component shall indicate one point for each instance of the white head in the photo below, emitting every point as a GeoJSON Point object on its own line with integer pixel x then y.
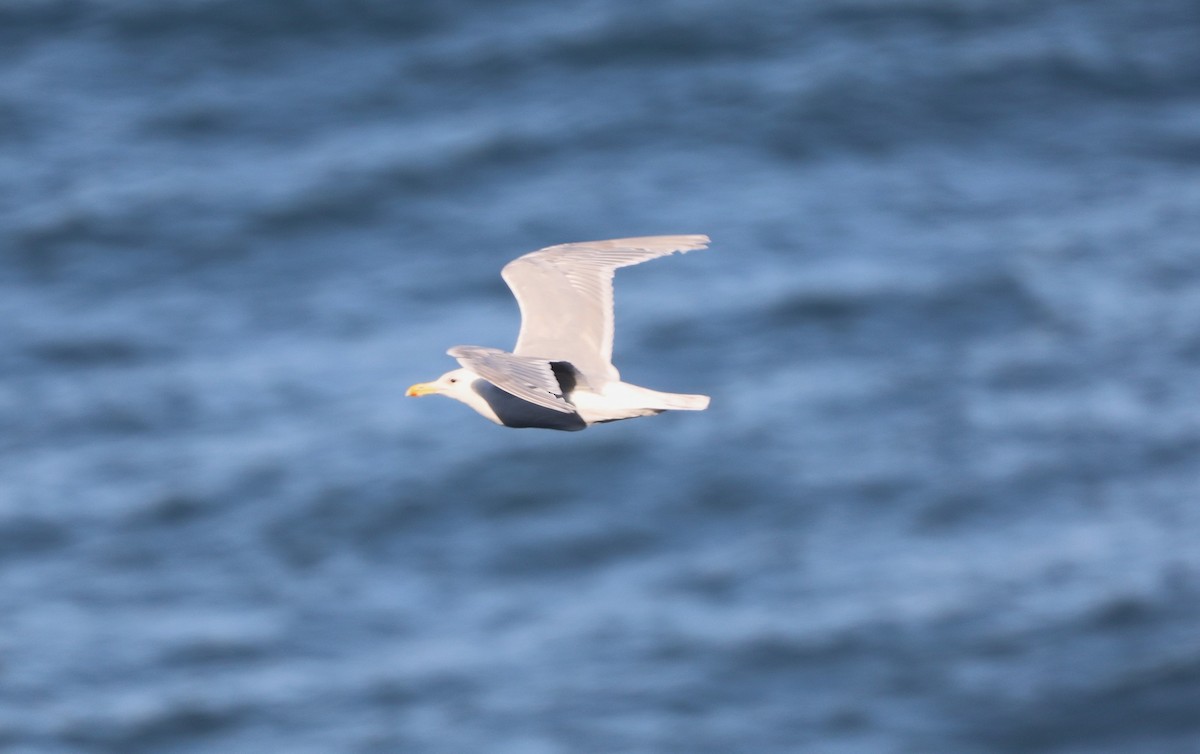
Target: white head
{"type": "Point", "coordinates": [459, 385]}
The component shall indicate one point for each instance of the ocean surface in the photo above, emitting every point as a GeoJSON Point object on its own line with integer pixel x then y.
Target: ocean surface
{"type": "Point", "coordinates": [947, 496]}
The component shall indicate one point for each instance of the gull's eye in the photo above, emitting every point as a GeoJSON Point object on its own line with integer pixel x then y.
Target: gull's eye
{"type": "Point", "coordinates": [453, 380]}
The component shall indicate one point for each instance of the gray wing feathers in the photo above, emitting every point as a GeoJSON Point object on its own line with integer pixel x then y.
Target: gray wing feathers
{"type": "Point", "coordinates": [527, 378]}
{"type": "Point", "coordinates": [566, 300]}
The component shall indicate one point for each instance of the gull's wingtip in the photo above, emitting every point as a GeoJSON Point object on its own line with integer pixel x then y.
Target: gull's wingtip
{"type": "Point", "coordinates": [647, 246]}
{"type": "Point", "coordinates": [660, 244]}
{"type": "Point", "coordinates": [695, 241]}
{"type": "Point", "coordinates": [686, 241]}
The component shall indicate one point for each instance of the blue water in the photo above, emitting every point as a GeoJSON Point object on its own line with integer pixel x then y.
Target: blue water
{"type": "Point", "coordinates": [947, 497]}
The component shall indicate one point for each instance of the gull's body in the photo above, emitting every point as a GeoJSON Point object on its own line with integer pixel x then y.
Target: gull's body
{"type": "Point", "coordinates": [560, 373]}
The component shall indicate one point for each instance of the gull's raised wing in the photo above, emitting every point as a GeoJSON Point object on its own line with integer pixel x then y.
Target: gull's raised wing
{"type": "Point", "coordinates": [566, 300]}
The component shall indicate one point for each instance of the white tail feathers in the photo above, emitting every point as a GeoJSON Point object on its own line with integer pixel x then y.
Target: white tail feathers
{"type": "Point", "coordinates": [620, 400]}
{"type": "Point", "coordinates": [681, 402]}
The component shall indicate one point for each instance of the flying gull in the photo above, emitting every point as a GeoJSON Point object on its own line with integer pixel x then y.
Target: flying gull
{"type": "Point", "coordinates": [560, 374]}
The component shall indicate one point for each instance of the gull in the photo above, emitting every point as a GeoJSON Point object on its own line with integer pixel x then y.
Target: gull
{"type": "Point", "coordinates": [560, 373]}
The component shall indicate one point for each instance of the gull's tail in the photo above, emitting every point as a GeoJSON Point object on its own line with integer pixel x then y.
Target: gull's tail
{"type": "Point", "coordinates": [677, 401]}
{"type": "Point", "coordinates": [620, 400]}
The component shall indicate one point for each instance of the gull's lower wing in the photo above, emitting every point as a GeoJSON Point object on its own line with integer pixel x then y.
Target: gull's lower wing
{"type": "Point", "coordinates": [527, 378]}
{"type": "Point", "coordinates": [566, 300]}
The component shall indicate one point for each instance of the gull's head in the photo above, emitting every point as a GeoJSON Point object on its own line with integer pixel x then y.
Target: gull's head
{"type": "Point", "coordinates": [459, 385]}
{"type": "Point", "coordinates": [455, 384]}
